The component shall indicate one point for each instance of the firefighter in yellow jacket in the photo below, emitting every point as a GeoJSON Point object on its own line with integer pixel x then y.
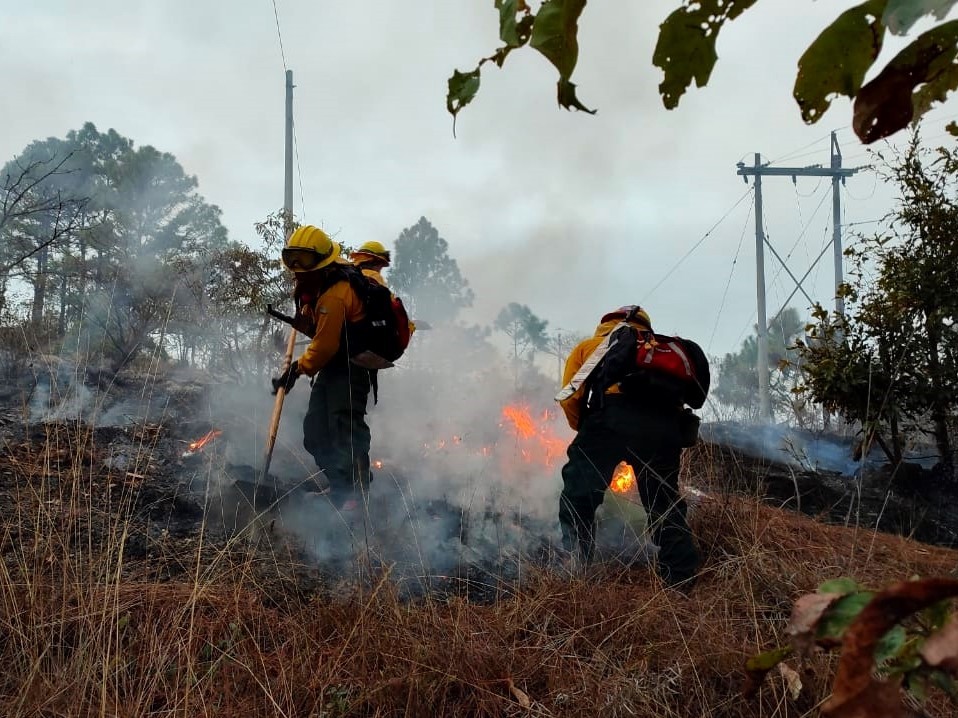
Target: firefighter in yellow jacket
{"type": "Point", "coordinates": [615, 426]}
{"type": "Point", "coordinates": [335, 431]}
{"type": "Point", "coordinates": [372, 258]}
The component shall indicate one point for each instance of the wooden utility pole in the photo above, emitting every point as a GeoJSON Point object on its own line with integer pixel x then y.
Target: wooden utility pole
{"type": "Point", "coordinates": [287, 225]}
{"type": "Point", "coordinates": [759, 170]}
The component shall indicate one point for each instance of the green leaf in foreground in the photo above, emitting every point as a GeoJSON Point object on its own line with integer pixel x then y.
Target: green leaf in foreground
{"type": "Point", "coordinates": [890, 645]}
{"type": "Point", "coordinates": [685, 50]}
{"type": "Point", "coordinates": [555, 35]}
{"type": "Point", "coordinates": [757, 667]}
{"type": "Point", "coordinates": [836, 62]}
{"type": "Point", "coordinates": [463, 87]}
{"type": "Point", "coordinates": [840, 615]}
{"type": "Point", "coordinates": [513, 31]}
{"type": "Point", "coordinates": [839, 585]}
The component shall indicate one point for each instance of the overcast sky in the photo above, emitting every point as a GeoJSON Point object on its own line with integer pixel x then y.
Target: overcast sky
{"type": "Point", "coordinates": [570, 214]}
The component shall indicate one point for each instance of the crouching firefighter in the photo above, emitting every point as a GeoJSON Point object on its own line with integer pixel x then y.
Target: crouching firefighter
{"type": "Point", "coordinates": [328, 308]}
{"type": "Point", "coordinates": [625, 391]}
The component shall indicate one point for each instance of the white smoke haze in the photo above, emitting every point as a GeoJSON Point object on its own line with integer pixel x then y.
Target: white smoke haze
{"type": "Point", "coordinates": [805, 450]}
{"type": "Point", "coordinates": [623, 194]}
{"type": "Point", "coordinates": [451, 484]}
{"type": "Point", "coordinates": [568, 214]}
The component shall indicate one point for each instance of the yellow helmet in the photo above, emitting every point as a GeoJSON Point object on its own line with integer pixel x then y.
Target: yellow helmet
{"type": "Point", "coordinates": [371, 250]}
{"type": "Point", "coordinates": [309, 248]}
{"type": "Point", "coordinates": [630, 313]}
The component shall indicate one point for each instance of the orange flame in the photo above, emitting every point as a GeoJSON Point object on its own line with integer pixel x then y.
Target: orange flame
{"type": "Point", "coordinates": [623, 479]}
{"type": "Point", "coordinates": [200, 444]}
{"type": "Point", "coordinates": [521, 420]}
{"type": "Point", "coordinates": [378, 464]}
{"type": "Point", "coordinates": [537, 442]}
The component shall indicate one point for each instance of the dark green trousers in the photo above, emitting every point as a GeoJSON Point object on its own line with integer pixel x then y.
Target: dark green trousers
{"type": "Point", "coordinates": [335, 431]}
{"type": "Point", "coordinates": [649, 440]}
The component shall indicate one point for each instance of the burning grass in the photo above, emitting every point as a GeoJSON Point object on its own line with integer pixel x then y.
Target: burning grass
{"type": "Point", "coordinates": [89, 628]}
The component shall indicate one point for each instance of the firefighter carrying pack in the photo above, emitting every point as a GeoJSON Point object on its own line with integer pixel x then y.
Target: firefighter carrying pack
{"type": "Point", "coordinates": [374, 342]}
{"type": "Point", "coordinates": [381, 338]}
{"type": "Point", "coordinates": [659, 369]}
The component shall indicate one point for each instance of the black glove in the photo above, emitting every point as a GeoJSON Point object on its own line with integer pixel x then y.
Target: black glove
{"type": "Point", "coordinates": [287, 379]}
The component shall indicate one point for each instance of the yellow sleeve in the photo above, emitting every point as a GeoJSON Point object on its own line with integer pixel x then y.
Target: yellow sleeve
{"type": "Point", "coordinates": [333, 309]}
{"type": "Point", "coordinates": [572, 407]}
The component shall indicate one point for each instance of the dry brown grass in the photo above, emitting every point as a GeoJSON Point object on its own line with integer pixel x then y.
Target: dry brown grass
{"type": "Point", "coordinates": [83, 634]}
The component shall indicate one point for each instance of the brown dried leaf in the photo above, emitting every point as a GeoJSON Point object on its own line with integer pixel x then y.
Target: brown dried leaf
{"type": "Point", "coordinates": [876, 699]}
{"type": "Point", "coordinates": [941, 648]}
{"type": "Point", "coordinates": [806, 613]}
{"type": "Point", "coordinates": [916, 78]}
{"type": "Point", "coordinates": [856, 693]}
{"type": "Point", "coordinates": [521, 697]}
{"type": "Point", "coordinates": [792, 680]}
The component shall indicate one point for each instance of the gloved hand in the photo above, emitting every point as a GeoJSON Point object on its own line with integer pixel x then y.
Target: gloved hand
{"type": "Point", "coordinates": [287, 379]}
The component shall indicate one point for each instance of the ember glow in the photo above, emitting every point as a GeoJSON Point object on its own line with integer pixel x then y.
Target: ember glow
{"type": "Point", "coordinates": [523, 443]}
{"type": "Point", "coordinates": [197, 446]}
{"type": "Point", "coordinates": [623, 480]}
{"type": "Point", "coordinates": [536, 440]}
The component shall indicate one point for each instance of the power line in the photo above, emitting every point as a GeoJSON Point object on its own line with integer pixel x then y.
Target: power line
{"type": "Point", "coordinates": [697, 244]}
{"type": "Point", "coordinates": [299, 172]}
{"type": "Point", "coordinates": [870, 195]}
{"type": "Point", "coordinates": [810, 194]}
{"type": "Point", "coordinates": [794, 153]}
{"type": "Point", "coordinates": [299, 169]}
{"type": "Point", "coordinates": [279, 34]}
{"type": "Point", "coordinates": [801, 234]}
{"type": "Point", "coordinates": [728, 282]}
{"type": "Point", "coordinates": [825, 247]}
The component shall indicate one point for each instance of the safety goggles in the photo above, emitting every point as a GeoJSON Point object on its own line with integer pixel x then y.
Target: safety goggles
{"type": "Point", "coordinates": [303, 259]}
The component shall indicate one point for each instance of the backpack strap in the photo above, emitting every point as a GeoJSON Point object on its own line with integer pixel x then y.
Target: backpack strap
{"type": "Point", "coordinates": [589, 365]}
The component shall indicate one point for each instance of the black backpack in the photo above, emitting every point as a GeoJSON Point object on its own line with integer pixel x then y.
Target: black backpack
{"type": "Point", "coordinates": [661, 369]}
{"type": "Point", "coordinates": [381, 338]}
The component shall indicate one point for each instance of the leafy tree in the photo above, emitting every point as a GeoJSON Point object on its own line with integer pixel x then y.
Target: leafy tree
{"type": "Point", "coordinates": [892, 363]}
{"type": "Point", "coordinates": [138, 237]}
{"type": "Point", "coordinates": [160, 229]}
{"type": "Point", "coordinates": [424, 275]}
{"type": "Point", "coordinates": [42, 206]}
{"type": "Point", "coordinates": [737, 385]}
{"type": "Point", "coordinates": [240, 284]}
{"type": "Point", "coordinates": [559, 344]}
{"type": "Point", "coordinates": [836, 62]}
{"type": "Point", "coordinates": [524, 329]}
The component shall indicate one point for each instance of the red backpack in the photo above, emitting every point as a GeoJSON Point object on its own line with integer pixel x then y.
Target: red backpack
{"type": "Point", "coordinates": [660, 368]}
{"type": "Point", "coordinates": [382, 336]}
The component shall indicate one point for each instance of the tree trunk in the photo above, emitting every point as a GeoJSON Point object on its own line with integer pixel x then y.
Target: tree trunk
{"type": "Point", "coordinates": [895, 440]}
{"type": "Point", "coordinates": [40, 286]}
{"type": "Point", "coordinates": [62, 319]}
{"type": "Point", "coordinates": [81, 282]}
{"type": "Point", "coordinates": [939, 403]}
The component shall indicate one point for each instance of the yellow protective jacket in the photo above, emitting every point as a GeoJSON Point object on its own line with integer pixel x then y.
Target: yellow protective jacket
{"type": "Point", "coordinates": [574, 405]}
{"type": "Point", "coordinates": [330, 311]}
